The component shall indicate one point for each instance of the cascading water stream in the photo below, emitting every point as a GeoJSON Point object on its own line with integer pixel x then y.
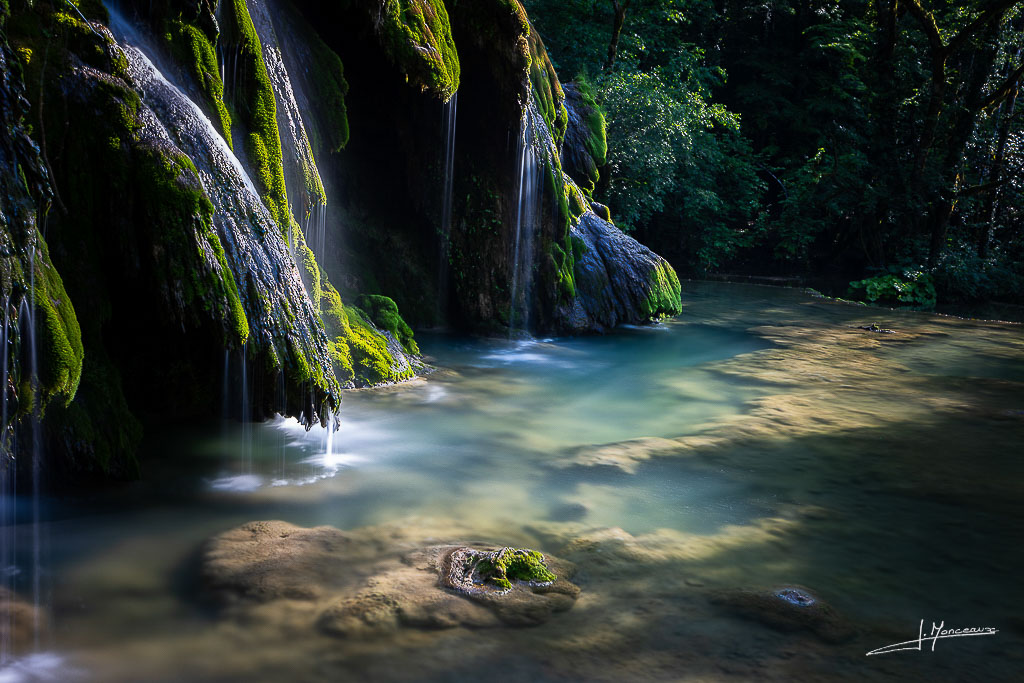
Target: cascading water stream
{"type": "Point", "coordinates": [449, 115]}
{"type": "Point", "coordinates": [528, 202]}
{"type": "Point", "coordinates": [279, 311]}
{"type": "Point", "coordinates": [303, 182]}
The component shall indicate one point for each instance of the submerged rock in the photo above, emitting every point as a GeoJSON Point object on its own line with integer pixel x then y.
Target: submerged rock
{"type": "Point", "coordinates": [623, 455]}
{"type": "Point", "coordinates": [789, 608]}
{"type": "Point", "coordinates": [359, 584]}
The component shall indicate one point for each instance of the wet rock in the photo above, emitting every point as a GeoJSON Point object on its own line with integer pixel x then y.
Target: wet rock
{"type": "Point", "coordinates": [429, 591]}
{"type": "Point", "coordinates": [602, 211]}
{"type": "Point", "coordinates": [362, 584]}
{"type": "Point", "coordinates": [18, 619]}
{"type": "Point", "coordinates": [264, 561]}
{"type": "Point", "coordinates": [789, 608]}
{"type": "Point", "coordinates": [618, 280]}
{"type": "Point", "coordinates": [568, 512]}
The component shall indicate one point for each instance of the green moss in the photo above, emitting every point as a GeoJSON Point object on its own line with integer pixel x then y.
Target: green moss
{"type": "Point", "coordinates": [547, 90]}
{"type": "Point", "coordinates": [191, 47]}
{"type": "Point", "coordinates": [176, 201]}
{"type": "Point", "coordinates": [577, 201]}
{"type": "Point", "coordinates": [593, 118]}
{"type": "Point", "coordinates": [254, 102]}
{"type": "Point", "coordinates": [558, 189]}
{"type": "Point", "coordinates": [359, 352]}
{"type": "Point", "coordinates": [60, 337]}
{"type": "Point", "coordinates": [330, 88]}
{"type": "Point", "coordinates": [503, 567]}
{"type": "Point", "coordinates": [384, 313]}
{"type": "Point", "coordinates": [664, 297]}
{"type": "Point", "coordinates": [417, 36]}
{"type": "Point", "coordinates": [372, 361]}
{"type": "Point", "coordinates": [310, 272]}
{"type": "Point", "coordinates": [564, 265]}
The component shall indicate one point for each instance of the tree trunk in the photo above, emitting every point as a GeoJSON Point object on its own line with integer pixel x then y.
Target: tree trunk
{"type": "Point", "coordinates": [992, 201]}
{"type": "Point", "coordinates": [619, 11]}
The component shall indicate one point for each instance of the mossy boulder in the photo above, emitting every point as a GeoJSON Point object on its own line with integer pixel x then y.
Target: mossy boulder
{"type": "Point", "coordinates": [417, 38]}
{"type": "Point", "coordinates": [363, 354]}
{"type": "Point", "coordinates": [617, 280]}
{"type": "Point", "coordinates": [384, 314]}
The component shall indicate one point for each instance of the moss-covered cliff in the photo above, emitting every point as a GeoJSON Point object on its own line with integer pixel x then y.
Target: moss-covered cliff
{"type": "Point", "coordinates": [257, 178]}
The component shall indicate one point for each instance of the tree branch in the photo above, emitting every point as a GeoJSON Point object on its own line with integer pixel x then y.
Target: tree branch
{"type": "Point", "coordinates": [994, 11]}
{"type": "Point", "coordinates": [1003, 91]}
{"type": "Point", "coordinates": [928, 25]}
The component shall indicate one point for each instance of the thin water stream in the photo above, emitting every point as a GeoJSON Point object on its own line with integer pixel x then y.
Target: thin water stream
{"type": "Point", "coordinates": [761, 439]}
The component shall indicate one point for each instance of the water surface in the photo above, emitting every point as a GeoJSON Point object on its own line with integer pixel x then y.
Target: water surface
{"type": "Point", "coordinates": [761, 439]}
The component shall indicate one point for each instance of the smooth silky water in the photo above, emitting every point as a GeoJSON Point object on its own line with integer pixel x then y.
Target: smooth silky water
{"type": "Point", "coordinates": [759, 440]}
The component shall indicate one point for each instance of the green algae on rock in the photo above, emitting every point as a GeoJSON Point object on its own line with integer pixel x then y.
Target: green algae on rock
{"type": "Point", "coordinates": [384, 314]}
{"type": "Point", "coordinates": [472, 570]}
{"type": "Point", "coordinates": [253, 99]}
{"type": "Point", "coordinates": [417, 37]}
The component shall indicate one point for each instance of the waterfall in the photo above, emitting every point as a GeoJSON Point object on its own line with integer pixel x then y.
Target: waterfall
{"type": "Point", "coordinates": [449, 114]}
{"type": "Point", "coordinates": [279, 311]}
{"type": "Point", "coordinates": [8, 476]}
{"type": "Point", "coordinates": [303, 182]}
{"type": "Point", "coordinates": [529, 155]}
{"type": "Point", "coordinates": [246, 416]}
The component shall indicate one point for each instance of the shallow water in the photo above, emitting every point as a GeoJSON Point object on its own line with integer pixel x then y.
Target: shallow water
{"type": "Point", "coordinates": [759, 440]}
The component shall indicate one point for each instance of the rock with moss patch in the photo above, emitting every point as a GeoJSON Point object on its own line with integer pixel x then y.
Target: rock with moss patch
{"type": "Point", "coordinates": [789, 608]}
{"type": "Point", "coordinates": [362, 584]}
{"type": "Point", "coordinates": [618, 280]}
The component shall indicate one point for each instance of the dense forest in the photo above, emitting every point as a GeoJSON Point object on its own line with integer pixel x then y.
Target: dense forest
{"type": "Point", "coordinates": [879, 141]}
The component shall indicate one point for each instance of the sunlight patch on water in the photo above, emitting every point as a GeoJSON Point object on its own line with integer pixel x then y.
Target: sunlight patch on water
{"type": "Point", "coordinates": [241, 483]}
{"type": "Point", "coordinates": [38, 667]}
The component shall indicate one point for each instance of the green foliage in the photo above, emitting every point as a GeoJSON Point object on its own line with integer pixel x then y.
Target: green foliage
{"type": "Point", "coordinates": [653, 124]}
{"type": "Point", "coordinates": [867, 129]}
{"type": "Point", "coordinates": [911, 287]}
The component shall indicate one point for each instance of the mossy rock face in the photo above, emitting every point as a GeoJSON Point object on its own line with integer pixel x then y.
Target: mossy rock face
{"type": "Point", "coordinates": [617, 280]}
{"type": "Point", "coordinates": [585, 148]}
{"type": "Point", "coordinates": [364, 355]}
{"type": "Point", "coordinates": [253, 100]}
{"type": "Point", "coordinates": [547, 90]}
{"type": "Point", "coordinates": [25, 264]}
{"type": "Point", "coordinates": [384, 314]}
{"type": "Point", "coordinates": [192, 47]}
{"type": "Point", "coordinates": [417, 38]}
